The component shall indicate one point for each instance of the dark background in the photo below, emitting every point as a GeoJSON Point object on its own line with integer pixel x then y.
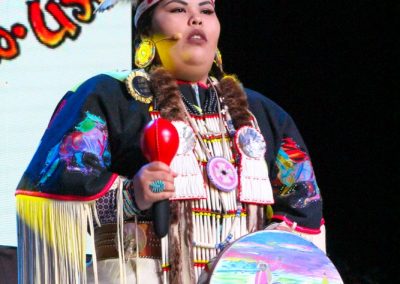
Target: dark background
{"type": "Point", "coordinates": [331, 65]}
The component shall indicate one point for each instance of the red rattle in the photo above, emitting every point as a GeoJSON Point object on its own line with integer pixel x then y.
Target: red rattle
{"type": "Point", "coordinates": [160, 142]}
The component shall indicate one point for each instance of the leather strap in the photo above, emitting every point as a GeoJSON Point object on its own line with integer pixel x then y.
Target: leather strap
{"type": "Point", "coordinates": [106, 245]}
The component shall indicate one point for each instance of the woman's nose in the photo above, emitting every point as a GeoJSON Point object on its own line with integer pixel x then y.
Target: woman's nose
{"type": "Point", "coordinates": [195, 20]}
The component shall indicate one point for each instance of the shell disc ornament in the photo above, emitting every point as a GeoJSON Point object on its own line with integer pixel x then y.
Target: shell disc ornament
{"type": "Point", "coordinates": [222, 174]}
{"type": "Point", "coordinates": [187, 139]}
{"type": "Point", "coordinates": [251, 142]}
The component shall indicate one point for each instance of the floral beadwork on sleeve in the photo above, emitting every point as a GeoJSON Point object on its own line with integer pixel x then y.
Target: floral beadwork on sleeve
{"type": "Point", "coordinates": [295, 179]}
{"type": "Point", "coordinates": [83, 150]}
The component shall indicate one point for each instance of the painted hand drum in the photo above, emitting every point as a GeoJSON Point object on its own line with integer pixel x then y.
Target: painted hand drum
{"type": "Point", "coordinates": [273, 257]}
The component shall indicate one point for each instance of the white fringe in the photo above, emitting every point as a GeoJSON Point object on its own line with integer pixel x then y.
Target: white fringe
{"type": "Point", "coordinates": [189, 183]}
{"type": "Point", "coordinates": [52, 240]}
{"type": "Point", "coordinates": [120, 232]}
{"type": "Point", "coordinates": [164, 259]}
{"type": "Point", "coordinates": [255, 186]}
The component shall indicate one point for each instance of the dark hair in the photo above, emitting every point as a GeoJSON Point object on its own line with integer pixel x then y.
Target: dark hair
{"type": "Point", "coordinates": [144, 24]}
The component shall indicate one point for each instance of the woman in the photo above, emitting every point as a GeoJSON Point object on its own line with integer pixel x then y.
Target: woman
{"type": "Point", "coordinates": [241, 164]}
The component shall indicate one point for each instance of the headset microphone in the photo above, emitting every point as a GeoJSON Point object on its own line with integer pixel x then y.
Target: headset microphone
{"type": "Point", "coordinates": [174, 37]}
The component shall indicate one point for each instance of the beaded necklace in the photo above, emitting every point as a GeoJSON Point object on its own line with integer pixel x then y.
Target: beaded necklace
{"type": "Point", "coordinates": [218, 219]}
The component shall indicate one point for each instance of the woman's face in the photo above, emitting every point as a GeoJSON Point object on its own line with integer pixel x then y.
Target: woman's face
{"type": "Point", "coordinates": [186, 34]}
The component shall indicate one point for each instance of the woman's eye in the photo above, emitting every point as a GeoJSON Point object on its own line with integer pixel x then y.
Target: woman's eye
{"type": "Point", "coordinates": [208, 11]}
{"type": "Point", "coordinates": [178, 10]}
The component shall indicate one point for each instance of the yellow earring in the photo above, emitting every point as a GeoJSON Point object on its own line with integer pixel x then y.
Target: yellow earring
{"type": "Point", "coordinates": [218, 60]}
{"type": "Point", "coordinates": [144, 53]}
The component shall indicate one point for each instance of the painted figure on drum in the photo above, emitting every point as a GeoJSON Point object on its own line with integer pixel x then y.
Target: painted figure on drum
{"type": "Point", "coordinates": [236, 164]}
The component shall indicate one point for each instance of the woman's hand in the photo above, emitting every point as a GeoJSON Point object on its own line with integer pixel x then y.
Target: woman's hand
{"type": "Point", "coordinates": [147, 174]}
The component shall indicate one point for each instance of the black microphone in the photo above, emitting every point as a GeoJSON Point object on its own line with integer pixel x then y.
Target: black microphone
{"type": "Point", "coordinates": [161, 213]}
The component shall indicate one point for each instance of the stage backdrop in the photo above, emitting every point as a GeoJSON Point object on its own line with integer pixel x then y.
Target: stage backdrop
{"type": "Point", "coordinates": [46, 48]}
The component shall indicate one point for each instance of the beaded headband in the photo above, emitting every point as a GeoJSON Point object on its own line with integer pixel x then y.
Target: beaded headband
{"type": "Point", "coordinates": [141, 8]}
{"type": "Point", "coordinates": [145, 5]}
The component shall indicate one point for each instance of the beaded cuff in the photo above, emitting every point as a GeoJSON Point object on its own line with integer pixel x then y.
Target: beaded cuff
{"type": "Point", "coordinates": [130, 207]}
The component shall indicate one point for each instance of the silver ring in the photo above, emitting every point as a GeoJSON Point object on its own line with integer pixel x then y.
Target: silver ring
{"type": "Point", "coordinates": [157, 186]}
